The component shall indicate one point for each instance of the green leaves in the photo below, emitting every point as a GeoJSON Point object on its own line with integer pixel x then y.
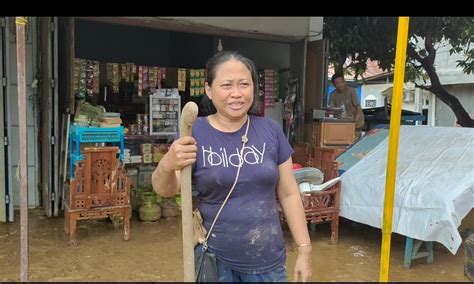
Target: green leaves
{"type": "Point", "coordinates": [362, 38]}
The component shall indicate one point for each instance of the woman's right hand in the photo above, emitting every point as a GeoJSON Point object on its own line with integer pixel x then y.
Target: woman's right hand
{"type": "Point", "coordinates": [181, 153]}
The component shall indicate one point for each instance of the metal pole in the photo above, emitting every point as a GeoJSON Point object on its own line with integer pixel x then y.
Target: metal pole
{"type": "Point", "coordinates": [20, 61]}
{"type": "Point", "coordinates": [395, 116]}
{"type": "Point", "coordinates": [189, 115]}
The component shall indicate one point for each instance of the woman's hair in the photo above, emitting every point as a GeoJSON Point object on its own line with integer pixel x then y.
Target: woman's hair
{"type": "Point", "coordinates": [211, 68]}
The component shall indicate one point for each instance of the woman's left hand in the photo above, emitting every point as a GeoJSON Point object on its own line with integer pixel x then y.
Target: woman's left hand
{"type": "Point", "coordinates": [303, 267]}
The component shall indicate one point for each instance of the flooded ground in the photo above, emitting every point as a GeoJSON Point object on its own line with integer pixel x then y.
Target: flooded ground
{"type": "Point", "coordinates": [154, 253]}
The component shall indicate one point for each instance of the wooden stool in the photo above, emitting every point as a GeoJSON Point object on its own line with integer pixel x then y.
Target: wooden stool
{"type": "Point", "coordinates": [412, 251]}
{"type": "Point", "coordinates": [99, 189]}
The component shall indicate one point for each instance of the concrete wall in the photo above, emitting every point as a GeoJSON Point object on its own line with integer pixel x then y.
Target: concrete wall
{"type": "Point", "coordinates": [465, 94]}
{"type": "Point", "coordinates": [373, 92]}
{"type": "Point", "coordinates": [446, 68]}
{"type": "Point", "coordinates": [315, 28]}
{"type": "Point", "coordinates": [455, 81]}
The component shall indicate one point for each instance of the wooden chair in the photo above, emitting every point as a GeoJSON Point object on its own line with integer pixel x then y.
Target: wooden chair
{"type": "Point", "coordinates": [99, 189]}
{"type": "Point", "coordinates": [322, 206]}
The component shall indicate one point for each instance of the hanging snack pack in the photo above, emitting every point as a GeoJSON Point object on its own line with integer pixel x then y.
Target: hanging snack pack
{"type": "Point", "coordinates": [113, 76]}
{"type": "Point", "coordinates": [196, 82]}
{"type": "Point", "coordinates": [82, 88]}
{"type": "Point", "coordinates": [140, 81]}
{"type": "Point", "coordinates": [181, 79]}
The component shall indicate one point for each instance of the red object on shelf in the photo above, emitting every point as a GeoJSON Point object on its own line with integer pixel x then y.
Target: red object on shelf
{"type": "Point", "coordinates": [297, 166]}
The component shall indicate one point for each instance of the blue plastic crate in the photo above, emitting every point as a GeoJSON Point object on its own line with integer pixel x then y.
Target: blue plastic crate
{"type": "Point", "coordinates": [81, 134]}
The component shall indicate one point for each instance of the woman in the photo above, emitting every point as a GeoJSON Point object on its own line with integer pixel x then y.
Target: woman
{"type": "Point", "coordinates": [247, 238]}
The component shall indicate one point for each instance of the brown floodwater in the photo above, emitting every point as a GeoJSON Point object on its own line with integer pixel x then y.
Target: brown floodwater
{"type": "Point", "coordinates": [154, 253]}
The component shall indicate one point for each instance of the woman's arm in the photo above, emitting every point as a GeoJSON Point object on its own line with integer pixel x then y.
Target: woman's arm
{"type": "Point", "coordinates": [290, 200]}
{"type": "Point", "coordinates": [166, 177]}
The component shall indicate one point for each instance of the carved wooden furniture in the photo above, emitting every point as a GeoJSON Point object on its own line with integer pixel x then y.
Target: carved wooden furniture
{"type": "Point", "coordinates": [320, 206]}
{"type": "Point", "coordinates": [99, 189]}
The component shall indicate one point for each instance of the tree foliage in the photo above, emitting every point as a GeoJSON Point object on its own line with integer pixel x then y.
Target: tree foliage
{"type": "Point", "coordinates": [359, 39]}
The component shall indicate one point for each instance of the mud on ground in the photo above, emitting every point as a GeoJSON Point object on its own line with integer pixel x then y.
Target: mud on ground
{"type": "Point", "coordinates": [154, 253]}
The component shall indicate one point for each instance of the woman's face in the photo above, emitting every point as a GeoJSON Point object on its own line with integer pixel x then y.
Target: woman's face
{"type": "Point", "coordinates": [232, 89]}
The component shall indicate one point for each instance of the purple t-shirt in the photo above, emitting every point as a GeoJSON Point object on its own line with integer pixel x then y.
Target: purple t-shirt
{"type": "Point", "coordinates": [247, 236]}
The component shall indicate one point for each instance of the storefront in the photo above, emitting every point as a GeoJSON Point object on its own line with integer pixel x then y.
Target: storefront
{"type": "Point", "coordinates": [169, 48]}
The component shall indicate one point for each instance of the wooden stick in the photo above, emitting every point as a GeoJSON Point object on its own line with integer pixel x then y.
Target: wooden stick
{"type": "Point", "coordinates": [188, 116]}
{"type": "Point", "coordinates": [22, 121]}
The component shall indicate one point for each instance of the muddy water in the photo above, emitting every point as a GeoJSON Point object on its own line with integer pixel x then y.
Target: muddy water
{"type": "Point", "coordinates": [154, 253]}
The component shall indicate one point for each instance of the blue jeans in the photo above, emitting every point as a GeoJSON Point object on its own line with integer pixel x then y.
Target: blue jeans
{"type": "Point", "coordinates": [228, 275]}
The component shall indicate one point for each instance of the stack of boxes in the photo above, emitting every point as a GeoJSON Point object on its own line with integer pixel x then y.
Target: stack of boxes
{"type": "Point", "coordinates": [152, 153]}
{"type": "Point", "coordinates": [135, 159]}
{"type": "Point", "coordinates": [126, 156]}
{"type": "Point", "coordinates": [149, 153]}
{"type": "Point", "coordinates": [110, 119]}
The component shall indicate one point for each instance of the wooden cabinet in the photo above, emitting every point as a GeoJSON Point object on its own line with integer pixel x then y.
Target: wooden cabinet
{"type": "Point", "coordinates": [98, 189]}
{"type": "Point", "coordinates": [331, 133]}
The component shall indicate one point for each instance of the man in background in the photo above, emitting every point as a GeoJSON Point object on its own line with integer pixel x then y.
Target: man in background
{"type": "Point", "coordinates": [346, 98]}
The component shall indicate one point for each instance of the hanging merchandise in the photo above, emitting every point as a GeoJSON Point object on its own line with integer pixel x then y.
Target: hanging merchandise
{"type": "Point", "coordinates": [96, 73]}
{"type": "Point", "coordinates": [196, 82]}
{"type": "Point", "coordinates": [146, 79]}
{"type": "Point", "coordinates": [155, 79]}
{"type": "Point", "coordinates": [132, 69]}
{"type": "Point", "coordinates": [181, 79]}
{"type": "Point", "coordinates": [89, 79]}
{"type": "Point", "coordinates": [140, 81]}
{"type": "Point", "coordinates": [124, 74]}
{"type": "Point", "coordinates": [127, 72]}
{"type": "Point", "coordinates": [113, 76]}
{"type": "Point", "coordinates": [133, 73]}
{"type": "Point", "coordinates": [290, 109]}
{"type": "Point", "coordinates": [76, 76]}
{"type": "Point", "coordinates": [163, 73]}
{"type": "Point", "coordinates": [276, 80]}
{"type": "Point", "coordinates": [82, 85]}
{"type": "Point", "coordinates": [85, 78]}
{"type": "Point", "coordinates": [269, 87]}
{"type": "Point", "coordinates": [149, 79]}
